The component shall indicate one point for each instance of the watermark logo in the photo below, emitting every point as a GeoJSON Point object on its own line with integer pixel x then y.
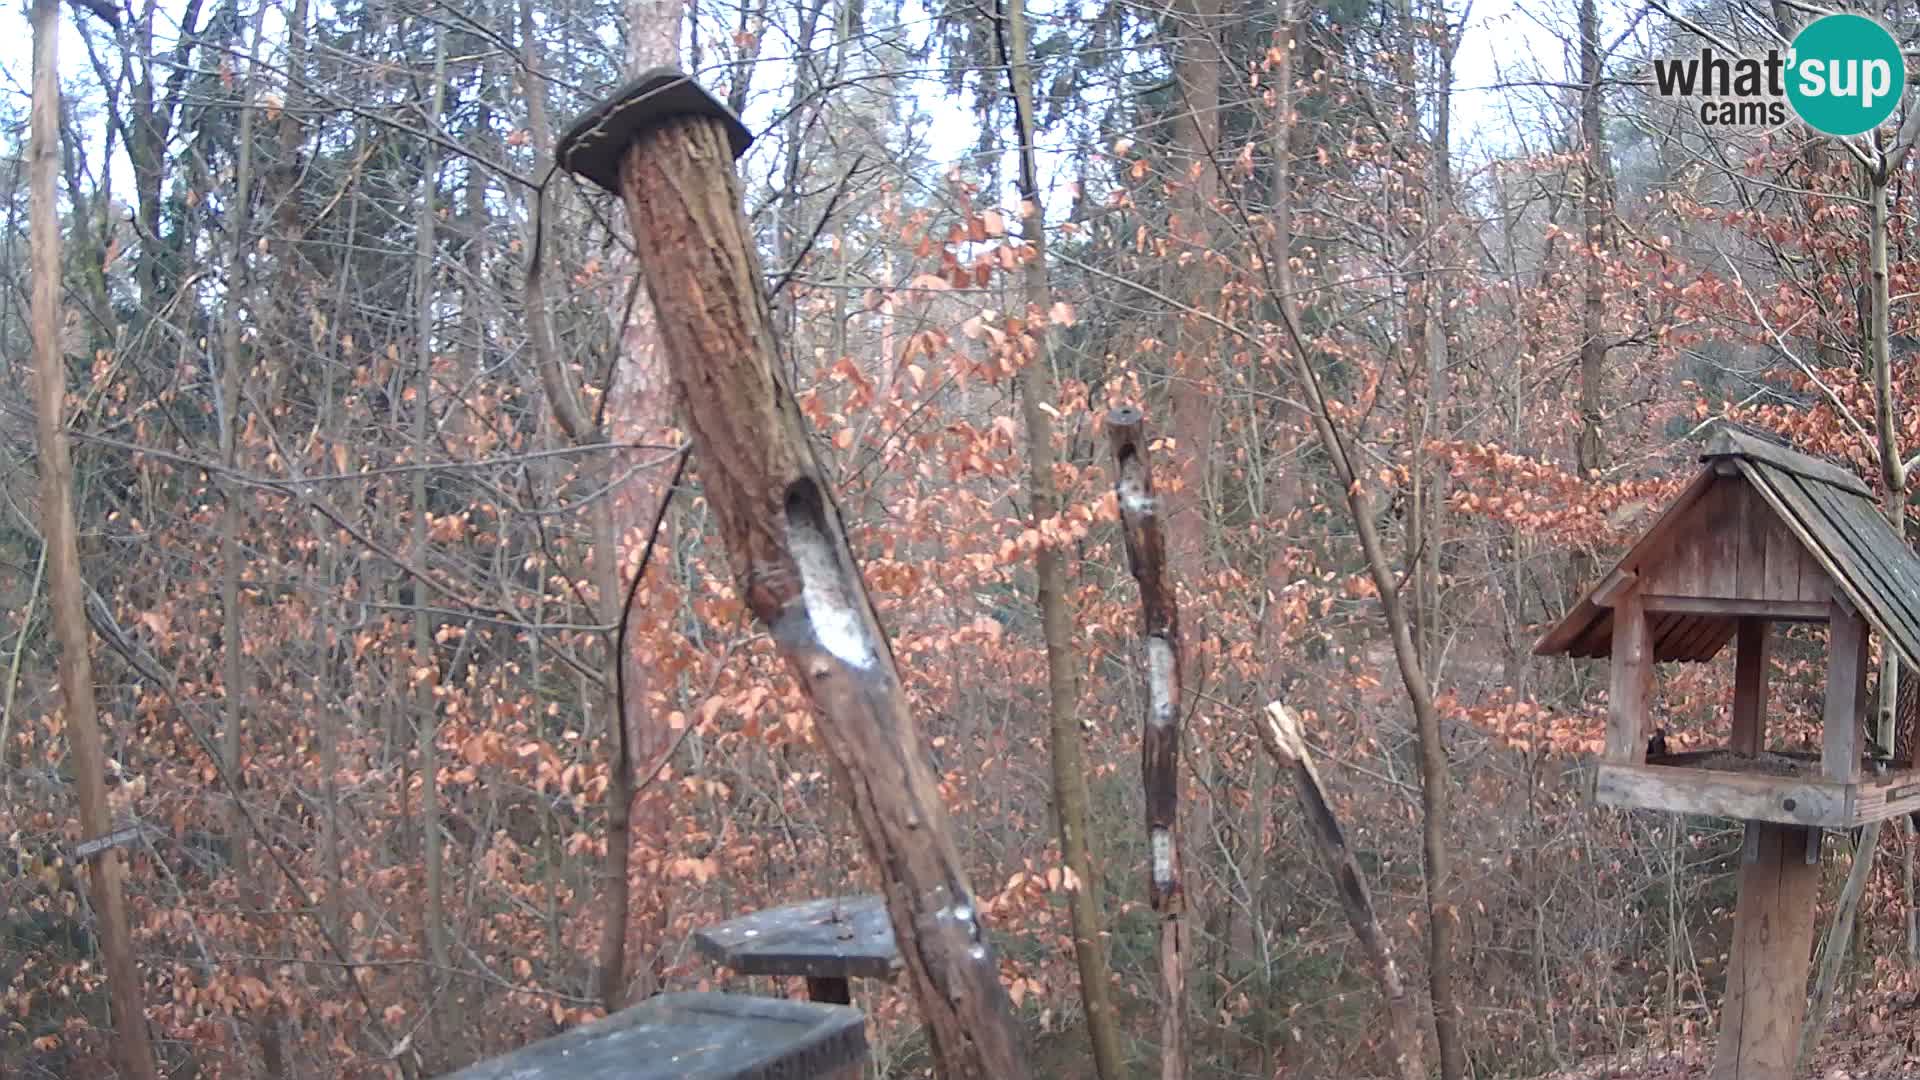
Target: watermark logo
{"type": "Point", "coordinates": [1842, 76]}
{"type": "Point", "coordinates": [1849, 74]}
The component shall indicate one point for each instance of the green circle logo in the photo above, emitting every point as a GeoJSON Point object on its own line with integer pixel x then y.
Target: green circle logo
{"type": "Point", "coordinates": [1845, 74]}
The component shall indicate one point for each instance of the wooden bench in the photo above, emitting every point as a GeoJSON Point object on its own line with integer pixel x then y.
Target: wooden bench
{"type": "Point", "coordinates": [697, 1037]}
{"type": "Point", "coordinates": [828, 941]}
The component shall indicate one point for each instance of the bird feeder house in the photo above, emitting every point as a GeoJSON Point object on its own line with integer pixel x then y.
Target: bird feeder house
{"type": "Point", "coordinates": [1762, 535]}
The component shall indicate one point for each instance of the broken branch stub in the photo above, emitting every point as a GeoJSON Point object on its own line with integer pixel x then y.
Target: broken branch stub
{"type": "Point", "coordinates": [787, 544]}
{"type": "Point", "coordinates": [1280, 733]}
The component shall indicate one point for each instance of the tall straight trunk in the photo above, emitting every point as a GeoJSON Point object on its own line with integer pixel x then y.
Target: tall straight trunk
{"type": "Point", "coordinates": [639, 407]}
{"type": "Point", "coordinates": [65, 586]}
{"type": "Point", "coordinates": [425, 671]}
{"type": "Point", "coordinates": [231, 490]}
{"type": "Point", "coordinates": [1196, 136]}
{"type": "Point", "coordinates": [1036, 385]}
{"type": "Point", "coordinates": [1589, 451]}
{"type": "Point", "coordinates": [1893, 478]}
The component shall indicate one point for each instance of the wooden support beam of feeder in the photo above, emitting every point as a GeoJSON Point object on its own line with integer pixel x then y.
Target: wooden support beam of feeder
{"type": "Point", "coordinates": [828, 942]}
{"type": "Point", "coordinates": [674, 145]}
{"type": "Point", "coordinates": [1632, 683]}
{"type": "Point", "coordinates": [1840, 726]}
{"type": "Point", "coordinates": [715, 1036]}
{"type": "Point", "coordinates": [1766, 996]}
{"type": "Point", "coordinates": [1751, 645]}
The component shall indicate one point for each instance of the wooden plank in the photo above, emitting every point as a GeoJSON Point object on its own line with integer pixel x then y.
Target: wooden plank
{"type": "Point", "coordinates": [1579, 619]}
{"type": "Point", "coordinates": [1630, 684]}
{"type": "Point", "coordinates": [1719, 542]}
{"type": "Point", "coordinates": [1753, 520]}
{"type": "Point", "coordinates": [1728, 442]}
{"type": "Point", "coordinates": [1750, 686]}
{"type": "Point", "coordinates": [1611, 587]}
{"type": "Point", "coordinates": [715, 1036]}
{"type": "Point", "coordinates": [1781, 610]}
{"type": "Point", "coordinates": [1685, 565]}
{"type": "Point", "coordinates": [1712, 793]}
{"type": "Point", "coordinates": [1766, 995]}
{"type": "Point", "coordinates": [1845, 710]}
{"type": "Point", "coordinates": [1889, 796]}
{"type": "Point", "coordinates": [839, 937]}
{"type": "Point", "coordinates": [1786, 555]}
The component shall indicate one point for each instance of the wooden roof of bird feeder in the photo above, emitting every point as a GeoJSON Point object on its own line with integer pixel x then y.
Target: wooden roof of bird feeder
{"type": "Point", "coordinates": [1763, 534]}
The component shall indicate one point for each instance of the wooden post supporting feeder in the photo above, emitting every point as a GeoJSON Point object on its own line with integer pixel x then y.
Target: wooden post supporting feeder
{"type": "Point", "coordinates": [666, 147]}
{"type": "Point", "coordinates": [711, 1036]}
{"type": "Point", "coordinates": [1761, 535]}
{"type": "Point", "coordinates": [829, 942]}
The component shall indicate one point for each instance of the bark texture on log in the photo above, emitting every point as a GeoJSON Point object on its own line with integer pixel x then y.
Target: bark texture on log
{"type": "Point", "coordinates": [1280, 734]}
{"type": "Point", "coordinates": [1140, 524]}
{"type": "Point", "coordinates": [789, 552]}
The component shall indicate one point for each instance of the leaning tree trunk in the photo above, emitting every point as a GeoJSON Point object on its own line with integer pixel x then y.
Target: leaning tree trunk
{"type": "Point", "coordinates": [788, 545]}
{"type": "Point", "coordinates": [1280, 734]}
{"type": "Point", "coordinates": [65, 587]}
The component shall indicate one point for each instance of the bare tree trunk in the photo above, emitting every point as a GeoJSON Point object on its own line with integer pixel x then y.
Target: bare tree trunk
{"type": "Point", "coordinates": [789, 552]}
{"type": "Point", "coordinates": [425, 673]}
{"type": "Point", "coordinates": [1281, 735]}
{"type": "Point", "coordinates": [1588, 451]}
{"type": "Point", "coordinates": [1893, 478]}
{"type": "Point", "coordinates": [65, 586]}
{"type": "Point", "coordinates": [1160, 740]}
{"type": "Point", "coordinates": [1035, 378]}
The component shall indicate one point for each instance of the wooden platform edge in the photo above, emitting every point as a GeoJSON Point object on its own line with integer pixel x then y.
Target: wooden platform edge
{"type": "Point", "coordinates": [1709, 793]}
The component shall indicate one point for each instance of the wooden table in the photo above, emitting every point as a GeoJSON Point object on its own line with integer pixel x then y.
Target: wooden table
{"type": "Point", "coordinates": [828, 941]}
{"type": "Point", "coordinates": [696, 1037]}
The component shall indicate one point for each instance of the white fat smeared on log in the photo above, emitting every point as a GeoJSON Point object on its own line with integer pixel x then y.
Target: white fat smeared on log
{"type": "Point", "coordinates": [1160, 841]}
{"type": "Point", "coordinates": [1160, 685]}
{"type": "Point", "coordinates": [1284, 724]}
{"type": "Point", "coordinates": [837, 627]}
{"type": "Point", "coordinates": [1133, 492]}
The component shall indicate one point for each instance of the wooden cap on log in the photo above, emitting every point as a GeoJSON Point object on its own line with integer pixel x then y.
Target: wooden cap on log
{"type": "Point", "coordinates": [595, 144]}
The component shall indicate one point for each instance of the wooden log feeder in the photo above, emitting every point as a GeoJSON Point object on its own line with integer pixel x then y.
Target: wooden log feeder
{"type": "Point", "coordinates": [1762, 535]}
{"type": "Point", "coordinates": [666, 147]}
{"type": "Point", "coordinates": [710, 1036]}
{"type": "Point", "coordinates": [828, 942]}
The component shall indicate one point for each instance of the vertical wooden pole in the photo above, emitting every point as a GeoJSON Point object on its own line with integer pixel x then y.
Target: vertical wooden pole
{"type": "Point", "coordinates": [674, 146]}
{"type": "Point", "coordinates": [1752, 645]}
{"type": "Point", "coordinates": [1632, 682]}
{"type": "Point", "coordinates": [1140, 519]}
{"type": "Point", "coordinates": [1846, 694]}
{"type": "Point", "coordinates": [1766, 994]}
